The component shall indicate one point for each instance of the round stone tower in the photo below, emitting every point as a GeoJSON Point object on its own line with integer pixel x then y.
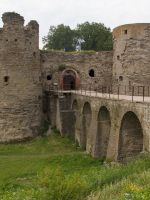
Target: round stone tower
{"type": "Point", "coordinates": [20, 87]}
{"type": "Point", "coordinates": [131, 60]}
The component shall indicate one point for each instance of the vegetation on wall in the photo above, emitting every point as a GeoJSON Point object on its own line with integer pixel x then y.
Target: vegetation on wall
{"type": "Point", "coordinates": [96, 36]}
{"type": "Point", "coordinates": [61, 67]}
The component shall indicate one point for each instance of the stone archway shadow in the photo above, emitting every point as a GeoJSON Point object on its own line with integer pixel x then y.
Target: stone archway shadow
{"type": "Point", "coordinates": [75, 109]}
{"type": "Point", "coordinates": [86, 121]}
{"type": "Point", "coordinates": [130, 137]}
{"type": "Point", "coordinates": [103, 132]}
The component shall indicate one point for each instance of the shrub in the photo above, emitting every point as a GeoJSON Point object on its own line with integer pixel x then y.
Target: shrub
{"type": "Point", "coordinates": [136, 192]}
{"type": "Point", "coordinates": [58, 186]}
{"type": "Point", "coordinates": [61, 67]}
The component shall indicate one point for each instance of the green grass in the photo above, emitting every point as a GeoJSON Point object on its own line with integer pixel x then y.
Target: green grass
{"type": "Point", "coordinates": [52, 168]}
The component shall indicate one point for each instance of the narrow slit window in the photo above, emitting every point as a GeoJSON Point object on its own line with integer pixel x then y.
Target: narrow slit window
{"type": "Point", "coordinates": [120, 78]}
{"type": "Point", "coordinates": [118, 57]}
{"type": "Point", "coordinates": [126, 32]}
{"type": "Point", "coordinates": [6, 79]}
{"type": "Point", "coordinates": [49, 77]}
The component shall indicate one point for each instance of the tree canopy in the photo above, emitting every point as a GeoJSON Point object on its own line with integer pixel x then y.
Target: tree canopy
{"type": "Point", "coordinates": [95, 36]}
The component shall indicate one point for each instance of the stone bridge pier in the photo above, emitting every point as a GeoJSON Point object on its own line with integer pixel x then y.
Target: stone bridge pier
{"type": "Point", "coordinates": [115, 129]}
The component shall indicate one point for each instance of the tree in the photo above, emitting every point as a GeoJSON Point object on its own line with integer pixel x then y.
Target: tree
{"type": "Point", "coordinates": [96, 36]}
{"type": "Point", "coordinates": [59, 37]}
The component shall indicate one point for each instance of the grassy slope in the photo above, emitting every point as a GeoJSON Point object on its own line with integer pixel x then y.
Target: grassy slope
{"type": "Point", "coordinates": [53, 169]}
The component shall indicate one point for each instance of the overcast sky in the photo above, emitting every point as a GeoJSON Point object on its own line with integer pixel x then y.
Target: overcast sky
{"type": "Point", "coordinates": [71, 12]}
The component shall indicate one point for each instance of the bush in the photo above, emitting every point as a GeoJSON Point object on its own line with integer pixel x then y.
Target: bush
{"type": "Point", "coordinates": [136, 192]}
{"type": "Point", "coordinates": [61, 67]}
{"type": "Point", "coordinates": [58, 186]}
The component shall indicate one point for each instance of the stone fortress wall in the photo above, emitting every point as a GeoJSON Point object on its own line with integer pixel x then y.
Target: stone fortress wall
{"type": "Point", "coordinates": [126, 66]}
{"type": "Point", "coordinates": [131, 57]}
{"type": "Point", "coordinates": [54, 64]}
{"type": "Point", "coordinates": [26, 71]}
{"type": "Point", "coordinates": [20, 87]}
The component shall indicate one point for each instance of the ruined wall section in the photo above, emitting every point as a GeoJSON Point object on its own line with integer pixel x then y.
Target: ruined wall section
{"type": "Point", "coordinates": [131, 54]}
{"type": "Point", "coordinates": [101, 62]}
{"type": "Point", "coordinates": [20, 87]}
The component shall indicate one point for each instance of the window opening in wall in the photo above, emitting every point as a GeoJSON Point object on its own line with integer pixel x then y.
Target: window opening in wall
{"type": "Point", "coordinates": [118, 57]}
{"type": "Point", "coordinates": [6, 79]}
{"type": "Point", "coordinates": [120, 78]}
{"type": "Point", "coordinates": [125, 32]}
{"type": "Point", "coordinates": [34, 54]}
{"type": "Point", "coordinates": [49, 77]}
{"type": "Point", "coordinates": [91, 73]}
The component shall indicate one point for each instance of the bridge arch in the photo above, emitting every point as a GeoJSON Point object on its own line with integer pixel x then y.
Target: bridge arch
{"type": "Point", "coordinates": [75, 105]}
{"type": "Point", "coordinates": [103, 132]}
{"type": "Point", "coordinates": [75, 109]}
{"type": "Point", "coordinates": [86, 121]}
{"type": "Point", "coordinates": [130, 136]}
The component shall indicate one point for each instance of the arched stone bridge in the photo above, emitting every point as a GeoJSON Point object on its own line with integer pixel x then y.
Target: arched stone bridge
{"type": "Point", "coordinates": [114, 128]}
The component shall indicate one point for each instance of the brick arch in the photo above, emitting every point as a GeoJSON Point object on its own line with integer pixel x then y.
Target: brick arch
{"type": "Point", "coordinates": [130, 136]}
{"type": "Point", "coordinates": [69, 79]}
{"type": "Point", "coordinates": [103, 132]}
{"type": "Point", "coordinates": [86, 121]}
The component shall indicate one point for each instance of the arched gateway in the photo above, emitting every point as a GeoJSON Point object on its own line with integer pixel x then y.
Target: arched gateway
{"type": "Point", "coordinates": [70, 79]}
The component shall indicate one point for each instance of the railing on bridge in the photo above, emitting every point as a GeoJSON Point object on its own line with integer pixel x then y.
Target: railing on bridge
{"type": "Point", "coordinates": [123, 92]}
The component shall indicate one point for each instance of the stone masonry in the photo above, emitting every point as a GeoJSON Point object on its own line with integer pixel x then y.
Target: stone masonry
{"type": "Point", "coordinates": [82, 63]}
{"type": "Point", "coordinates": [104, 127]}
{"type": "Point", "coordinates": [20, 86]}
{"type": "Point", "coordinates": [131, 58]}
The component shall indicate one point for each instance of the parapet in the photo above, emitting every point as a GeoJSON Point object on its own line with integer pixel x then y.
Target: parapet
{"type": "Point", "coordinates": [33, 25]}
{"type": "Point", "coordinates": [131, 30]}
{"type": "Point", "coordinates": [12, 18]}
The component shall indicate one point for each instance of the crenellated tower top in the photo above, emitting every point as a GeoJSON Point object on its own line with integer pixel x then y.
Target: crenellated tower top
{"type": "Point", "coordinates": [12, 19]}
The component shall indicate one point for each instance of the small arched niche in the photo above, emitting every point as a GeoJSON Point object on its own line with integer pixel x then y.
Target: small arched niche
{"type": "Point", "coordinates": [86, 121]}
{"type": "Point", "coordinates": [130, 137]}
{"type": "Point", "coordinates": [103, 132]}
